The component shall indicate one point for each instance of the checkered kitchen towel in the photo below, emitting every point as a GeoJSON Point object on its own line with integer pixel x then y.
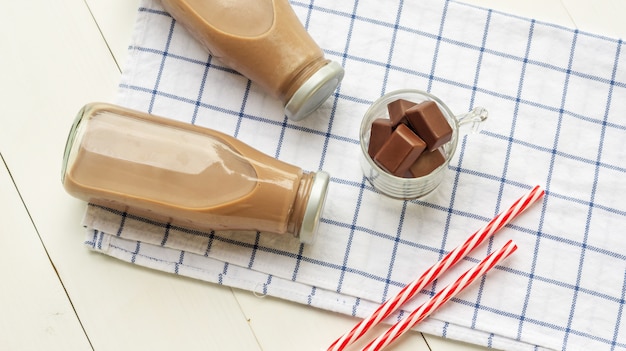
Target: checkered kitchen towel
{"type": "Point", "coordinates": [557, 103]}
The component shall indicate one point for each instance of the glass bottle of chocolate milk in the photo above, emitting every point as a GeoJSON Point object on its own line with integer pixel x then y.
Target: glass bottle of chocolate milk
{"type": "Point", "coordinates": [264, 41]}
{"type": "Point", "coordinates": [187, 175]}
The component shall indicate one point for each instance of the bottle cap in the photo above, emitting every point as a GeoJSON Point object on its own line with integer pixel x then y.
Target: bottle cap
{"type": "Point", "coordinates": [314, 206]}
{"type": "Point", "coordinates": [314, 91]}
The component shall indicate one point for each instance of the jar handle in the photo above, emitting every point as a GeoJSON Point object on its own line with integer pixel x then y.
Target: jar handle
{"type": "Point", "coordinates": [476, 116]}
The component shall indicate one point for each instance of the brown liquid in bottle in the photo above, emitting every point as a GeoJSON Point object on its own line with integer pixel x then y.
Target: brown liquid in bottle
{"type": "Point", "coordinates": [264, 41]}
{"type": "Point", "coordinates": [187, 175]}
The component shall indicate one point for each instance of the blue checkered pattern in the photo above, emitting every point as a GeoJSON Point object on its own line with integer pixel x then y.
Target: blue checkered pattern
{"type": "Point", "coordinates": [557, 101]}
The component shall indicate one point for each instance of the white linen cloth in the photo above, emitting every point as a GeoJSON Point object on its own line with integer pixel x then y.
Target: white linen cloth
{"type": "Point", "coordinates": [557, 104]}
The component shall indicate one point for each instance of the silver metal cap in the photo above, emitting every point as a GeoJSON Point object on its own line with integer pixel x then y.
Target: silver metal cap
{"type": "Point", "coordinates": [314, 91]}
{"type": "Point", "coordinates": [314, 206]}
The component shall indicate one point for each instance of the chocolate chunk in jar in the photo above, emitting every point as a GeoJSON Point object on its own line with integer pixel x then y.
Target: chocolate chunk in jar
{"type": "Point", "coordinates": [427, 162]}
{"type": "Point", "coordinates": [400, 151]}
{"type": "Point", "coordinates": [427, 120]}
{"type": "Point", "coordinates": [379, 134]}
{"type": "Point", "coordinates": [397, 111]}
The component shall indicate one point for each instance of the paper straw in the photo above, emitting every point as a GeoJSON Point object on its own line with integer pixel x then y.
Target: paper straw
{"type": "Point", "coordinates": [430, 306]}
{"type": "Point", "coordinates": [432, 273]}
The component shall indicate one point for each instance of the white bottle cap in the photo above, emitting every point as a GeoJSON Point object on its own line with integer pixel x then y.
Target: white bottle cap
{"type": "Point", "coordinates": [314, 91]}
{"type": "Point", "coordinates": [314, 207]}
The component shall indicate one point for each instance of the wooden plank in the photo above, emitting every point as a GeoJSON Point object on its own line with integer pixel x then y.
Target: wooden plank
{"type": "Point", "coordinates": [602, 16]}
{"type": "Point", "coordinates": [550, 10]}
{"type": "Point", "coordinates": [36, 312]}
{"type": "Point", "coordinates": [116, 21]}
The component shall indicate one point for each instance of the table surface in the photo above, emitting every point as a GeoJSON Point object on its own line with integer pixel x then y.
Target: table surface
{"type": "Point", "coordinates": [56, 294]}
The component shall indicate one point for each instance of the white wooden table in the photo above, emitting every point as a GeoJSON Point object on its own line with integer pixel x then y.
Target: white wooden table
{"type": "Point", "coordinates": [55, 294]}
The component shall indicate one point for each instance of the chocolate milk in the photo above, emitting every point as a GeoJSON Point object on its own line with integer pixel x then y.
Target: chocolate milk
{"type": "Point", "coordinates": [264, 41]}
{"type": "Point", "coordinates": [187, 175]}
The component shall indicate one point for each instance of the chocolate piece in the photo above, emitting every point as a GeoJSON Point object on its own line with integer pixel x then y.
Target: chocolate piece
{"type": "Point", "coordinates": [400, 151]}
{"type": "Point", "coordinates": [426, 163]}
{"type": "Point", "coordinates": [380, 132]}
{"type": "Point", "coordinates": [397, 110]}
{"type": "Point", "coordinates": [430, 124]}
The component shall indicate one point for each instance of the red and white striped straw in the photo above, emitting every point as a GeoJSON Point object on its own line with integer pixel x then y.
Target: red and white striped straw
{"type": "Point", "coordinates": [450, 291]}
{"type": "Point", "coordinates": [432, 273]}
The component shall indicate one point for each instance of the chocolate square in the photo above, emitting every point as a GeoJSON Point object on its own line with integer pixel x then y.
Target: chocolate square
{"type": "Point", "coordinates": [400, 151]}
{"type": "Point", "coordinates": [430, 124]}
{"type": "Point", "coordinates": [397, 110]}
{"type": "Point", "coordinates": [426, 163]}
{"type": "Point", "coordinates": [380, 132]}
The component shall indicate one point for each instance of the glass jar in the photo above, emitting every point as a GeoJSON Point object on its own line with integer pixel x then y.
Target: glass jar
{"type": "Point", "coordinates": [410, 188]}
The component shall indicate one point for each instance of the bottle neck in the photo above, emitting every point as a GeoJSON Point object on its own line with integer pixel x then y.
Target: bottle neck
{"type": "Point", "coordinates": [300, 203]}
